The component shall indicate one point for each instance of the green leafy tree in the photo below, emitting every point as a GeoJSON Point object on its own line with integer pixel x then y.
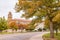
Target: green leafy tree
{"type": "Point", "coordinates": [3, 24]}
{"type": "Point", "coordinates": [40, 8]}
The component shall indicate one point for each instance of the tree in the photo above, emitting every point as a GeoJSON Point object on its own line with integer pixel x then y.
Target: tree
{"type": "Point", "coordinates": [56, 22]}
{"type": "Point", "coordinates": [3, 24]}
{"type": "Point", "coordinates": [40, 8]}
{"type": "Point", "coordinates": [13, 26]}
{"type": "Point", "coordinates": [47, 23]}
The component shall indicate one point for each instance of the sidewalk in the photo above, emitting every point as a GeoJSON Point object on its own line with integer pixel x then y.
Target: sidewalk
{"type": "Point", "coordinates": [38, 37]}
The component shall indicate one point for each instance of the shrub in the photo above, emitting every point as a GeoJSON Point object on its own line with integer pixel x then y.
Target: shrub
{"type": "Point", "coordinates": [39, 29]}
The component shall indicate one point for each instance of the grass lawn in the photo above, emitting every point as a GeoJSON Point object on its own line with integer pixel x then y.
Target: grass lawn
{"type": "Point", "coordinates": [6, 33]}
{"type": "Point", "coordinates": [48, 36]}
{"type": "Point", "coordinates": [12, 32]}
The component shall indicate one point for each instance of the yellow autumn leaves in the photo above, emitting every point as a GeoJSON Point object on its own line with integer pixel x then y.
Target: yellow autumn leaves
{"type": "Point", "coordinates": [57, 18]}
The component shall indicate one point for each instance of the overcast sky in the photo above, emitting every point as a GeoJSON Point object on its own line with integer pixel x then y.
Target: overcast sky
{"type": "Point", "coordinates": [8, 5]}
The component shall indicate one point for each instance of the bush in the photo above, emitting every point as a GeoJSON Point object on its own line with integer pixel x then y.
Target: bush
{"type": "Point", "coordinates": [29, 29]}
{"type": "Point", "coordinates": [3, 24]}
{"type": "Point", "coordinates": [39, 29]}
{"type": "Point", "coordinates": [44, 29]}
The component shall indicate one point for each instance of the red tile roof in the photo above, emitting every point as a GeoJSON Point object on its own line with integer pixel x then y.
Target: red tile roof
{"type": "Point", "coordinates": [21, 20]}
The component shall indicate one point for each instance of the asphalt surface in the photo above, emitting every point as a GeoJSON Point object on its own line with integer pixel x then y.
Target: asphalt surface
{"type": "Point", "coordinates": [19, 36]}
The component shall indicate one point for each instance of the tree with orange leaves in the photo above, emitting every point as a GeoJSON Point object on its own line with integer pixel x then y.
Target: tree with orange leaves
{"type": "Point", "coordinates": [13, 25]}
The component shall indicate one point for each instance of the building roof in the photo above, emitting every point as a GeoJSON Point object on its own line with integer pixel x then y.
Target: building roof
{"type": "Point", "coordinates": [22, 20]}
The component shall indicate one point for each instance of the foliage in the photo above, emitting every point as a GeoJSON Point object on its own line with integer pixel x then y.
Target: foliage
{"type": "Point", "coordinates": [47, 23]}
{"type": "Point", "coordinates": [3, 24]}
{"type": "Point", "coordinates": [44, 29]}
{"type": "Point", "coordinates": [39, 29]}
{"type": "Point", "coordinates": [13, 25]}
{"type": "Point", "coordinates": [50, 9]}
{"type": "Point", "coordinates": [30, 27]}
{"type": "Point", "coordinates": [56, 24]}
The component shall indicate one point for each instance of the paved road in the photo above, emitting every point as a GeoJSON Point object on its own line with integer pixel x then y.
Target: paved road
{"type": "Point", "coordinates": [19, 36]}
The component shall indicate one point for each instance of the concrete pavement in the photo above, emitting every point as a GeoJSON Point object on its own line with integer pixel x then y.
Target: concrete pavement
{"type": "Point", "coordinates": [23, 36]}
{"type": "Point", "coordinates": [38, 37]}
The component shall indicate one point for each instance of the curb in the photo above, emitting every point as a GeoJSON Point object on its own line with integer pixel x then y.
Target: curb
{"type": "Point", "coordinates": [38, 37]}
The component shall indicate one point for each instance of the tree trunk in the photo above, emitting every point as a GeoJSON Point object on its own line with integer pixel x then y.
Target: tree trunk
{"type": "Point", "coordinates": [51, 30]}
{"type": "Point", "coordinates": [12, 30]}
{"type": "Point", "coordinates": [56, 31]}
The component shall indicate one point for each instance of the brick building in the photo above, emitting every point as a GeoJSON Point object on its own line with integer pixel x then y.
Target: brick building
{"type": "Point", "coordinates": [21, 23]}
